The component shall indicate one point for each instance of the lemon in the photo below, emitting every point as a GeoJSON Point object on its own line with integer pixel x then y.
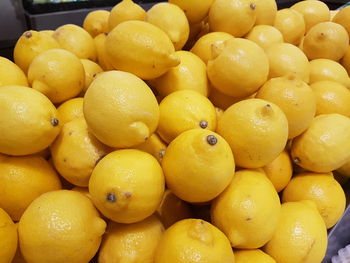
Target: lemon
{"type": "Point", "coordinates": [323, 146]}
{"type": "Point", "coordinates": [11, 74]}
{"type": "Point", "coordinates": [222, 100]}
{"type": "Point", "coordinates": [195, 10]}
{"type": "Point", "coordinates": [172, 209]}
{"type": "Point", "coordinates": [34, 176]}
{"type": "Point", "coordinates": [280, 171]}
{"type": "Point", "coordinates": [326, 40]}
{"type": "Point", "coordinates": [295, 98]}
{"type": "Point", "coordinates": [207, 165]}
{"type": "Point", "coordinates": [163, 16]}
{"type": "Point", "coordinates": [29, 45]}
{"type": "Point", "coordinates": [48, 32]}
{"type": "Point", "coordinates": [238, 67]}
{"type": "Point", "coordinates": [331, 97]}
{"type": "Point", "coordinates": [76, 40]}
{"type": "Point", "coordinates": [96, 22]}
{"type": "Point", "coordinates": [248, 210]}
{"type": "Point", "coordinates": [184, 110]}
{"type": "Point", "coordinates": [120, 109]}
{"type": "Point", "coordinates": [140, 48]}
{"type": "Point", "coordinates": [314, 12]}
{"type": "Point", "coordinates": [70, 110]}
{"type": "Point", "coordinates": [135, 242]}
{"type": "Point", "coordinates": [102, 57]}
{"type": "Point", "coordinates": [236, 17]}
{"type": "Point", "coordinates": [265, 36]}
{"type": "Point", "coordinates": [28, 121]}
{"type": "Point", "coordinates": [91, 70]}
{"type": "Point", "coordinates": [202, 47]}
{"type": "Point", "coordinates": [326, 69]}
{"type": "Point", "coordinates": [193, 240]}
{"type": "Point", "coordinates": [266, 11]}
{"type": "Point", "coordinates": [342, 18]}
{"type": "Point", "coordinates": [285, 58]}
{"type": "Point", "coordinates": [219, 112]}
{"type": "Point", "coordinates": [8, 238]}
{"type": "Point", "coordinates": [256, 130]}
{"type": "Point", "coordinates": [75, 152]}
{"type": "Point", "coordinates": [190, 74]}
{"type": "Point", "coordinates": [291, 24]}
{"type": "Point", "coordinates": [123, 11]}
{"type": "Point", "coordinates": [154, 145]}
{"type": "Point", "coordinates": [60, 226]}
{"type": "Point", "coordinates": [345, 61]}
{"type": "Point", "coordinates": [127, 185]}
{"type": "Point", "coordinates": [49, 74]}
{"type": "Point", "coordinates": [300, 236]}
{"type": "Point", "coordinates": [252, 256]}
{"type": "Point", "coordinates": [323, 189]}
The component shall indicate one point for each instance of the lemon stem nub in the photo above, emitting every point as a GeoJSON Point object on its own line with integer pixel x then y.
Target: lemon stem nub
{"type": "Point", "coordinates": [296, 160]}
{"type": "Point", "coordinates": [252, 6]}
{"type": "Point", "coordinates": [267, 110]}
{"type": "Point", "coordinates": [212, 140]}
{"type": "Point", "coordinates": [161, 153]}
{"type": "Point", "coordinates": [28, 34]}
{"type": "Point", "coordinates": [54, 121]}
{"type": "Point", "coordinates": [111, 198]}
{"type": "Point", "coordinates": [203, 124]}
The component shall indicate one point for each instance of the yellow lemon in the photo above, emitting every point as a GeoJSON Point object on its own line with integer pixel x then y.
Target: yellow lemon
{"type": "Point", "coordinates": [202, 47]}
{"type": "Point", "coordinates": [11, 74]}
{"type": "Point", "coordinates": [323, 146]}
{"type": "Point", "coordinates": [345, 61]}
{"type": "Point", "coordinates": [172, 209]}
{"type": "Point", "coordinates": [195, 10]}
{"type": "Point", "coordinates": [301, 234]}
{"type": "Point", "coordinates": [238, 67]}
{"type": "Point", "coordinates": [8, 237]}
{"type": "Point", "coordinates": [326, 69]}
{"type": "Point", "coordinates": [190, 74]}
{"type": "Point", "coordinates": [154, 145]}
{"type": "Point", "coordinates": [323, 189]}
{"type": "Point", "coordinates": [49, 74]}
{"type": "Point", "coordinates": [285, 58]}
{"type": "Point", "coordinates": [248, 210]}
{"type": "Point", "coordinates": [314, 12]}
{"type": "Point", "coordinates": [102, 57]}
{"type": "Point", "coordinates": [124, 11]}
{"type": "Point", "coordinates": [140, 48]}
{"type": "Point", "coordinates": [280, 171]}
{"type": "Point", "coordinates": [266, 11]}
{"type": "Point", "coordinates": [28, 121]}
{"type": "Point", "coordinates": [294, 97]}
{"type": "Point", "coordinates": [219, 112]}
{"type": "Point", "coordinates": [252, 256]}
{"type": "Point", "coordinates": [163, 16]}
{"type": "Point", "coordinates": [34, 176]}
{"type": "Point", "coordinates": [29, 45]}
{"type": "Point", "coordinates": [342, 18]}
{"type": "Point", "coordinates": [331, 97]}
{"type": "Point", "coordinates": [257, 131]}
{"type": "Point", "coordinates": [70, 110]}
{"type": "Point", "coordinates": [135, 242]}
{"type": "Point", "coordinates": [291, 24]}
{"type": "Point", "coordinates": [60, 226]}
{"type": "Point", "coordinates": [222, 100]}
{"type": "Point", "coordinates": [265, 36]}
{"type": "Point", "coordinates": [193, 239]}
{"type": "Point", "coordinates": [184, 110]}
{"type": "Point", "coordinates": [326, 40]}
{"type": "Point", "coordinates": [75, 152]}
{"type": "Point", "coordinates": [207, 165]}
{"type": "Point", "coordinates": [76, 40]}
{"type": "Point", "coordinates": [120, 109]}
{"type": "Point", "coordinates": [127, 185]}
{"type": "Point", "coordinates": [96, 22]}
{"type": "Point", "coordinates": [91, 70]}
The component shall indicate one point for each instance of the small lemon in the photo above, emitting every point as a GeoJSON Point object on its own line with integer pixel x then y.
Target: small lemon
{"type": "Point", "coordinates": [127, 185]}
{"type": "Point", "coordinates": [323, 189]}
{"type": "Point", "coordinates": [207, 165]}
{"type": "Point", "coordinates": [301, 234]}
{"type": "Point", "coordinates": [345, 61]}
{"type": "Point", "coordinates": [265, 36]}
{"type": "Point", "coordinates": [266, 11]}
{"type": "Point", "coordinates": [135, 242]}
{"type": "Point", "coordinates": [11, 74]}
{"type": "Point", "coordinates": [252, 256]}
{"type": "Point", "coordinates": [8, 237]}
{"type": "Point", "coordinates": [323, 146]}
{"type": "Point", "coordinates": [102, 57]}
{"type": "Point", "coordinates": [195, 10]}
{"type": "Point", "coordinates": [342, 18]}
{"type": "Point", "coordinates": [70, 110]}
{"type": "Point", "coordinates": [193, 240]}
{"type": "Point", "coordinates": [123, 11]}
{"type": "Point", "coordinates": [154, 145]}
{"type": "Point", "coordinates": [238, 67]}
{"type": "Point", "coordinates": [331, 97]}
{"type": "Point", "coordinates": [163, 16]}
{"type": "Point", "coordinates": [34, 176]}
{"type": "Point", "coordinates": [28, 121]}
{"type": "Point", "coordinates": [222, 100]}
{"type": "Point", "coordinates": [248, 210]}
{"type": "Point", "coordinates": [140, 48]}
{"type": "Point", "coordinates": [184, 110]}
{"type": "Point", "coordinates": [256, 130]}
{"type": "Point", "coordinates": [96, 22]}
{"type": "Point", "coordinates": [91, 70]}
{"type": "Point", "coordinates": [60, 226]}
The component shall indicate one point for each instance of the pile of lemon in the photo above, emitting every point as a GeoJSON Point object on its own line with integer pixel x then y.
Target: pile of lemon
{"type": "Point", "coordinates": [208, 131]}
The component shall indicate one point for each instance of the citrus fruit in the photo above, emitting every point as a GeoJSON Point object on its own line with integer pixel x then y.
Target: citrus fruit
{"type": "Point", "coordinates": [91, 70]}
{"type": "Point", "coordinates": [96, 22]}
{"type": "Point", "coordinates": [345, 61]}
{"type": "Point", "coordinates": [70, 110]}
{"type": "Point", "coordinates": [252, 256]}
{"type": "Point", "coordinates": [11, 74]}
{"type": "Point", "coordinates": [195, 10]}
{"type": "Point", "coordinates": [266, 11]}
{"type": "Point", "coordinates": [265, 35]}
{"type": "Point", "coordinates": [102, 57]}
{"type": "Point", "coordinates": [154, 145]}
{"type": "Point", "coordinates": [8, 238]}
{"type": "Point", "coordinates": [342, 18]}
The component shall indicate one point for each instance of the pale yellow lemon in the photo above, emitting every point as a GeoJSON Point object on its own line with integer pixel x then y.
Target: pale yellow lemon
{"type": "Point", "coordinates": [91, 70]}
{"type": "Point", "coordinates": [11, 74]}
{"type": "Point", "coordinates": [265, 35]}
{"type": "Point", "coordinates": [154, 145]}
{"type": "Point", "coordinates": [102, 57]}
{"type": "Point", "coordinates": [342, 18]}
{"type": "Point", "coordinates": [195, 10]}
{"type": "Point", "coordinates": [96, 22]}
{"type": "Point", "coordinates": [345, 61]}
{"type": "Point", "coordinates": [266, 11]}
{"type": "Point", "coordinates": [8, 238]}
{"type": "Point", "coordinates": [70, 110]}
{"type": "Point", "coordinates": [252, 256]}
